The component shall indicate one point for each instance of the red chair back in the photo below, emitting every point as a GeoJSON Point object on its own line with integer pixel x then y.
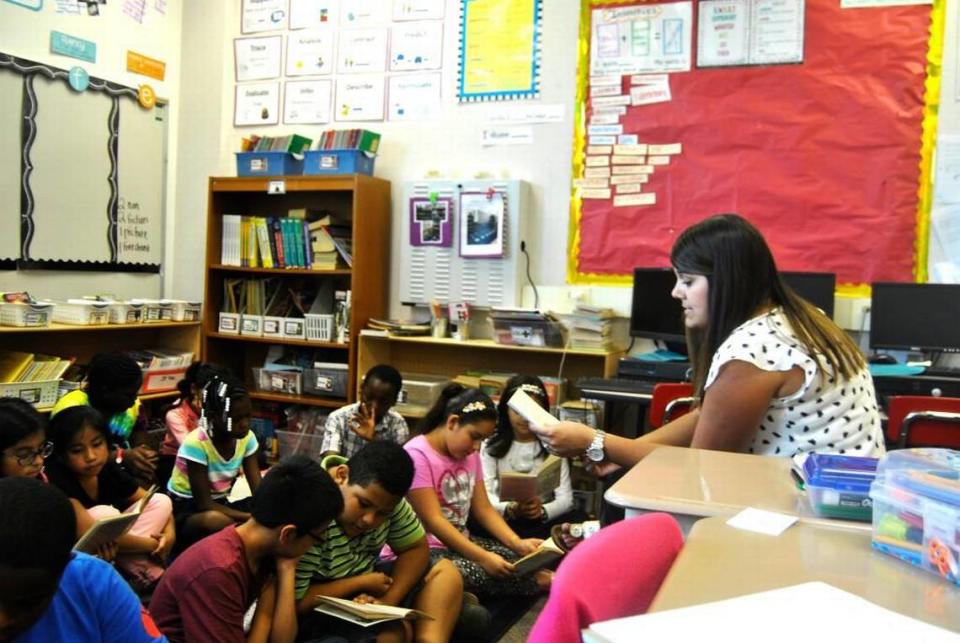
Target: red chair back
{"type": "Point", "coordinates": [920, 430]}
{"type": "Point", "coordinates": [663, 394]}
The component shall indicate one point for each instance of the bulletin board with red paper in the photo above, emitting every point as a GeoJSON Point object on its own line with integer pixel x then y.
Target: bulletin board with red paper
{"type": "Point", "coordinates": [829, 157]}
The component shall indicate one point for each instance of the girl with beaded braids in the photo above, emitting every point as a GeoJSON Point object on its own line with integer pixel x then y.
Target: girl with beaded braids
{"type": "Point", "coordinates": [448, 488]}
{"type": "Point", "coordinates": [210, 459]}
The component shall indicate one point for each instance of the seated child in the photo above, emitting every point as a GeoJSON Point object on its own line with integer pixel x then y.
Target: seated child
{"type": "Point", "coordinates": [344, 564]}
{"type": "Point", "coordinates": [113, 381]}
{"type": "Point", "coordinates": [82, 468]}
{"type": "Point", "coordinates": [448, 488]}
{"type": "Point", "coordinates": [349, 428]}
{"type": "Point", "coordinates": [514, 447]}
{"type": "Point", "coordinates": [48, 592]}
{"type": "Point", "coordinates": [23, 443]}
{"type": "Point", "coordinates": [210, 459]}
{"type": "Point", "coordinates": [183, 416]}
{"type": "Point", "coordinates": [209, 587]}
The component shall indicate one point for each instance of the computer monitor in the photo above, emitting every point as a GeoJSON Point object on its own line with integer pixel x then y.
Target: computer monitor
{"type": "Point", "coordinates": [654, 313]}
{"type": "Point", "coordinates": [816, 287]}
{"type": "Point", "coordinates": [909, 316]}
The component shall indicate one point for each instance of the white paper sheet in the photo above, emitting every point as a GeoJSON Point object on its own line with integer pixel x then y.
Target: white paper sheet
{"type": "Point", "coordinates": [364, 12]}
{"type": "Point", "coordinates": [310, 53]}
{"type": "Point", "coordinates": [776, 31]}
{"type": "Point", "coordinates": [506, 136]}
{"type": "Point", "coordinates": [310, 14]}
{"type": "Point", "coordinates": [416, 46]}
{"type": "Point", "coordinates": [762, 522]}
{"type": "Point", "coordinates": [750, 32]}
{"type": "Point", "coordinates": [414, 97]}
{"type": "Point", "coordinates": [360, 98]}
{"type": "Point", "coordinates": [257, 58]}
{"type": "Point", "coordinates": [767, 616]}
{"type": "Point", "coordinates": [947, 177]}
{"type": "Point", "coordinates": [516, 114]}
{"type": "Point", "coordinates": [362, 51]}
{"type": "Point", "coordinates": [263, 15]}
{"type": "Point", "coordinates": [307, 101]}
{"type": "Point", "coordinates": [646, 38]}
{"type": "Point", "coordinates": [257, 104]}
{"type": "Point", "coordinates": [418, 9]}
{"type": "Point", "coordinates": [723, 33]}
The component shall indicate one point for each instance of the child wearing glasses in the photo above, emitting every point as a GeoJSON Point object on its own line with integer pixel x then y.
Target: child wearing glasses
{"type": "Point", "coordinates": [23, 443]}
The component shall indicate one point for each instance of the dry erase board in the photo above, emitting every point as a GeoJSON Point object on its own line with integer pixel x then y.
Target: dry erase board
{"type": "Point", "coordinates": [85, 170]}
{"type": "Point", "coordinates": [824, 155]}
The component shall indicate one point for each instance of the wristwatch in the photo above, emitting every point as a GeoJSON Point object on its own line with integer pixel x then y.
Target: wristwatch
{"type": "Point", "coordinates": [595, 450]}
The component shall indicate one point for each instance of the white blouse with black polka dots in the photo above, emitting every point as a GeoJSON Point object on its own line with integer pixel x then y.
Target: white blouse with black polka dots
{"type": "Point", "coordinates": [827, 414]}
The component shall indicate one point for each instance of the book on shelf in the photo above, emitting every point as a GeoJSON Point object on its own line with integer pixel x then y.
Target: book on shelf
{"type": "Point", "coordinates": [352, 139]}
{"type": "Point", "coordinates": [544, 555]}
{"type": "Point", "coordinates": [13, 364]}
{"type": "Point", "coordinates": [541, 482]}
{"type": "Point", "coordinates": [399, 327]}
{"type": "Point", "coordinates": [366, 614]}
{"type": "Point", "coordinates": [230, 240]}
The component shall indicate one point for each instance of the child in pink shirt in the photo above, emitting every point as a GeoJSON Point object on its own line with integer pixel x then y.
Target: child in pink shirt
{"type": "Point", "coordinates": [183, 416]}
{"type": "Point", "coordinates": [448, 488]}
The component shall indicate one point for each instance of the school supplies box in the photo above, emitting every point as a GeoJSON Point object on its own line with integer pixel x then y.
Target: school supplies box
{"type": "Point", "coordinates": [839, 485]}
{"type": "Point", "coordinates": [916, 509]}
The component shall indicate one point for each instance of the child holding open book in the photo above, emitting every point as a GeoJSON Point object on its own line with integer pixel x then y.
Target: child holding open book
{"type": "Point", "coordinates": [82, 468]}
{"type": "Point", "coordinates": [448, 488]}
{"type": "Point", "coordinates": [514, 448]}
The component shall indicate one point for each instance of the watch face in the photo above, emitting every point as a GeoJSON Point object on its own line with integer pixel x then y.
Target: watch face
{"type": "Point", "coordinates": [595, 453]}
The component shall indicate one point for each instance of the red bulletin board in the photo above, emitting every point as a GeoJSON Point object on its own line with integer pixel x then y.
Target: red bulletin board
{"type": "Point", "coordinates": [824, 156]}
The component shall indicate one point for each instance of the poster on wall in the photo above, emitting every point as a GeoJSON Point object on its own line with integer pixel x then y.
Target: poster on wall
{"type": "Point", "coordinates": [750, 32]}
{"type": "Point", "coordinates": [362, 51]}
{"type": "Point", "coordinates": [499, 50]}
{"type": "Point", "coordinates": [364, 12]}
{"type": "Point", "coordinates": [416, 46]}
{"type": "Point", "coordinates": [310, 14]}
{"type": "Point", "coordinates": [263, 15]}
{"type": "Point", "coordinates": [418, 10]}
{"type": "Point", "coordinates": [306, 102]}
{"type": "Point", "coordinates": [641, 39]}
{"type": "Point", "coordinates": [431, 222]}
{"type": "Point", "coordinates": [481, 224]}
{"type": "Point", "coordinates": [360, 98]}
{"type": "Point", "coordinates": [257, 104]}
{"type": "Point", "coordinates": [414, 97]}
{"type": "Point", "coordinates": [257, 58]}
{"type": "Point", "coordinates": [310, 53]}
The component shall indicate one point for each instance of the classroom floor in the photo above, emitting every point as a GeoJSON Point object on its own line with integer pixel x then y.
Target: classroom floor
{"type": "Point", "coordinates": [520, 630]}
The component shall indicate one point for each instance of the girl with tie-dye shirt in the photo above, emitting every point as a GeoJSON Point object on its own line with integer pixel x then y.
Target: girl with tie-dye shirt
{"type": "Point", "coordinates": [448, 489]}
{"type": "Point", "coordinates": [210, 460]}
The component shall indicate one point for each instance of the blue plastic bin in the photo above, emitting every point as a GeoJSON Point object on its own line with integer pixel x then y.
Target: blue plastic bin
{"type": "Point", "coordinates": [337, 162]}
{"type": "Point", "coordinates": [268, 164]}
{"type": "Point", "coordinates": [839, 485]}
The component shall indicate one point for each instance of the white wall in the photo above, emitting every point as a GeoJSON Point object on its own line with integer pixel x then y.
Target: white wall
{"type": "Point", "coordinates": [26, 34]}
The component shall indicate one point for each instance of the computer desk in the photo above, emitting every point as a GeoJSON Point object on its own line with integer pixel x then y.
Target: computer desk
{"type": "Point", "coordinates": [695, 483]}
{"type": "Point", "coordinates": [718, 562]}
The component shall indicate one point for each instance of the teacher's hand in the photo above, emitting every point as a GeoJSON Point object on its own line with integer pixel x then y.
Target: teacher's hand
{"type": "Point", "coordinates": [567, 439]}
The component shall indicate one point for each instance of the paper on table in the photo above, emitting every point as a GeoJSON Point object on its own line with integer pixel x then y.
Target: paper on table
{"type": "Point", "coordinates": [762, 522]}
{"type": "Point", "coordinates": [760, 618]}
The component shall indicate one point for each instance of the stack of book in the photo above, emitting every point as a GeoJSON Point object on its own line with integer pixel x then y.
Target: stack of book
{"type": "Point", "coordinates": [285, 242]}
{"type": "Point", "coordinates": [17, 366]}
{"type": "Point", "coordinates": [591, 327]}
{"type": "Point", "coordinates": [349, 139]}
{"type": "Point", "coordinates": [397, 327]}
{"type": "Point", "coordinates": [292, 143]}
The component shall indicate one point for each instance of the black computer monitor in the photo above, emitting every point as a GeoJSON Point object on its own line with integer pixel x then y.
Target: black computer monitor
{"type": "Point", "coordinates": [915, 317]}
{"type": "Point", "coordinates": [654, 313]}
{"type": "Point", "coordinates": [816, 287]}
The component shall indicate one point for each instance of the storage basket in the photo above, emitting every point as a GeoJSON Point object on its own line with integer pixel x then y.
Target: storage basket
{"type": "Point", "coordinates": [82, 313]}
{"type": "Point", "coordinates": [42, 395]}
{"type": "Point", "coordinates": [182, 310]}
{"type": "Point", "coordinates": [319, 328]}
{"type": "Point", "coordinates": [126, 312]}
{"type": "Point", "coordinates": [29, 315]}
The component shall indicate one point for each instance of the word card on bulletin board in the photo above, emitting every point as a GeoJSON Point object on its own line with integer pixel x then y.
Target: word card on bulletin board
{"type": "Point", "coordinates": [810, 119]}
{"type": "Point", "coordinates": [87, 161]}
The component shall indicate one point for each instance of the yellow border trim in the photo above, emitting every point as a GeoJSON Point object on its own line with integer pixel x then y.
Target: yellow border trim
{"type": "Point", "coordinates": [931, 105]}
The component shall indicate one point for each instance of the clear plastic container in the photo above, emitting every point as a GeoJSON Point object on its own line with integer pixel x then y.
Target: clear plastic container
{"type": "Point", "coordinates": [839, 485]}
{"type": "Point", "coordinates": [916, 509]}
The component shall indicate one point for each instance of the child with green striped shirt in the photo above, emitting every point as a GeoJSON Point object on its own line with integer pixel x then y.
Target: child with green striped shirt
{"type": "Point", "coordinates": [345, 564]}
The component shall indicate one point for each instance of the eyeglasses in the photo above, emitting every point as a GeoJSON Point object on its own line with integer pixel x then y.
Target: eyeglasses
{"type": "Point", "coordinates": [28, 457]}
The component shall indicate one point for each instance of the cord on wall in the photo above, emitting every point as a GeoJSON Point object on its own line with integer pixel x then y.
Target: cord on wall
{"type": "Point", "coordinates": [536, 295]}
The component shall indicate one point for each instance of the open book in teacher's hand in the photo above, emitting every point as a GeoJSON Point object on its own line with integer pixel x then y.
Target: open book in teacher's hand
{"type": "Point", "coordinates": [544, 555]}
{"type": "Point", "coordinates": [541, 482]}
{"type": "Point", "coordinates": [365, 614]}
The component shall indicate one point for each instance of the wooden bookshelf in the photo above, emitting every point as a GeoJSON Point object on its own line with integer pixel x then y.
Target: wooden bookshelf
{"type": "Point", "coordinates": [363, 200]}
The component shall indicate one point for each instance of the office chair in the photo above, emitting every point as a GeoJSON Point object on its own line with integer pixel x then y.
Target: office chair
{"type": "Point", "coordinates": [921, 421]}
{"type": "Point", "coordinates": [616, 572]}
{"type": "Point", "coordinates": [670, 401]}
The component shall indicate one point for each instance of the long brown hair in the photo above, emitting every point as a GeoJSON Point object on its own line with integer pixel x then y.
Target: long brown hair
{"type": "Point", "coordinates": [742, 279]}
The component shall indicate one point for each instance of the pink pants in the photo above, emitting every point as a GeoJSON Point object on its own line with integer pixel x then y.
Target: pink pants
{"type": "Point", "coordinates": [142, 569]}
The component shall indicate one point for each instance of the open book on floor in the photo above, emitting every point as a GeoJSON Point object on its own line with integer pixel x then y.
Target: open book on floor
{"type": "Point", "coordinates": [365, 614]}
{"type": "Point", "coordinates": [545, 554]}
{"type": "Point", "coordinates": [541, 482]}
{"type": "Point", "coordinates": [107, 530]}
